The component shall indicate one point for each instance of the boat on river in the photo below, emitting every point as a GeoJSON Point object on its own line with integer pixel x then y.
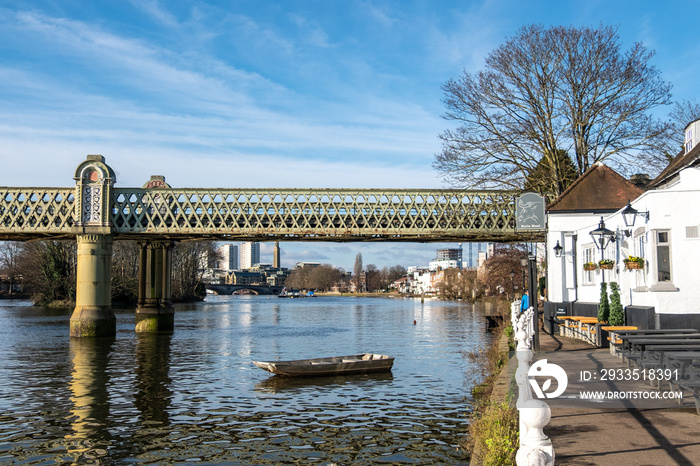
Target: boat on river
{"type": "Point", "coordinates": [335, 365]}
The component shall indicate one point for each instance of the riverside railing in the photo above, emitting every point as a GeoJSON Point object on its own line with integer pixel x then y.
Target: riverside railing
{"type": "Point", "coordinates": [535, 447]}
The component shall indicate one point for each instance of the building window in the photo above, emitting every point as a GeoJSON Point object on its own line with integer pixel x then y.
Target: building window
{"type": "Point", "coordinates": [588, 256]}
{"type": "Point", "coordinates": [663, 256]}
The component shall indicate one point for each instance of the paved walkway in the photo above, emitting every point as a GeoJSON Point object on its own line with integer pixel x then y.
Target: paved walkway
{"type": "Point", "coordinates": [622, 434]}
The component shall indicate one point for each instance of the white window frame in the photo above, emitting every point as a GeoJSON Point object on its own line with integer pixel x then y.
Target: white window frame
{"type": "Point", "coordinates": [588, 254]}
{"type": "Point", "coordinates": [658, 242]}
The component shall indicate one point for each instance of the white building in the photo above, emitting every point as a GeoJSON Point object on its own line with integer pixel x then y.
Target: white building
{"type": "Point", "coordinates": [665, 234]}
{"type": "Point", "coordinates": [250, 255]}
{"type": "Point", "coordinates": [229, 257]}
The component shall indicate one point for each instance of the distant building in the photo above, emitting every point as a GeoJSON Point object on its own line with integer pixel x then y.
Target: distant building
{"type": "Point", "coordinates": [276, 256]}
{"type": "Point", "coordinates": [301, 265]}
{"type": "Point", "coordinates": [446, 259]}
{"type": "Point", "coordinates": [229, 258]}
{"type": "Point", "coordinates": [245, 278]}
{"type": "Point", "coordinates": [249, 254]}
{"type": "Point", "coordinates": [402, 285]}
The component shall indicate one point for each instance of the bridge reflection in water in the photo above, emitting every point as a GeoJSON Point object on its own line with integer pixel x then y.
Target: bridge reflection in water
{"type": "Point", "coordinates": [95, 213]}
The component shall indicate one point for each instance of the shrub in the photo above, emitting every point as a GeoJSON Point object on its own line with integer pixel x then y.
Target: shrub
{"type": "Point", "coordinates": [495, 434]}
{"type": "Point", "coordinates": [604, 305]}
{"type": "Point", "coordinates": [617, 314]}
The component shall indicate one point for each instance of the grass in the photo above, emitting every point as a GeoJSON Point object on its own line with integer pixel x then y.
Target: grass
{"type": "Point", "coordinates": [494, 426]}
{"type": "Point", "coordinates": [494, 432]}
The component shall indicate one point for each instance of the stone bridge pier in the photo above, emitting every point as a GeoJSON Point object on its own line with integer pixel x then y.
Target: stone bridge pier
{"type": "Point", "coordinates": [93, 315]}
{"type": "Point", "coordinates": [154, 312]}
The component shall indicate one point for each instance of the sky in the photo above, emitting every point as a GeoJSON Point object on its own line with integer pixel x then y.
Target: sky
{"type": "Point", "coordinates": [274, 94]}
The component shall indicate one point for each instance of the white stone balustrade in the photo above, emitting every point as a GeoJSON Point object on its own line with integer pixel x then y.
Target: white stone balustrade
{"type": "Point", "coordinates": [535, 446]}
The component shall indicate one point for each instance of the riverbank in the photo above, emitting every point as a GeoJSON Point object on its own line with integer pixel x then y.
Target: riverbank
{"type": "Point", "coordinates": [493, 430]}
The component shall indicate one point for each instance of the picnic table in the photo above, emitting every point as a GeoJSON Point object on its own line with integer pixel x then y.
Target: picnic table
{"type": "Point", "coordinates": [685, 378]}
{"type": "Point", "coordinates": [582, 327]}
{"type": "Point", "coordinates": [640, 343]}
{"type": "Point", "coordinates": [616, 334]}
{"type": "Point", "coordinates": [614, 330]}
{"type": "Point", "coordinates": [681, 360]}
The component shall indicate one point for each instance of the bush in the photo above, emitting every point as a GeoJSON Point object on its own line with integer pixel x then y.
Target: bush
{"type": "Point", "coordinates": [617, 314]}
{"type": "Point", "coordinates": [604, 305]}
{"type": "Point", "coordinates": [495, 434]}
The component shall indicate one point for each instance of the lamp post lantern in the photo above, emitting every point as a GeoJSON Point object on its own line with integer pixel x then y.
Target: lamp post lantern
{"type": "Point", "coordinates": [629, 215]}
{"type": "Point", "coordinates": [602, 237]}
{"type": "Point", "coordinates": [558, 249]}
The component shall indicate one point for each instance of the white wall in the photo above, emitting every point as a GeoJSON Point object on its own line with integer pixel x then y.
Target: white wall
{"type": "Point", "coordinates": [675, 210]}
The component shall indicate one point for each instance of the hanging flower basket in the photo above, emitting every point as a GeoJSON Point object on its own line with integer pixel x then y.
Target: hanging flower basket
{"type": "Point", "coordinates": [606, 264]}
{"type": "Point", "coordinates": [634, 263]}
{"type": "Point", "coordinates": [590, 266]}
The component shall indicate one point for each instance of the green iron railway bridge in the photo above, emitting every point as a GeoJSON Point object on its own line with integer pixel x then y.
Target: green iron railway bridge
{"type": "Point", "coordinates": [94, 213]}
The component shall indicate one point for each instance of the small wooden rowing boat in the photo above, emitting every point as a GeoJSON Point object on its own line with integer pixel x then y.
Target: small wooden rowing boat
{"type": "Point", "coordinates": [336, 365]}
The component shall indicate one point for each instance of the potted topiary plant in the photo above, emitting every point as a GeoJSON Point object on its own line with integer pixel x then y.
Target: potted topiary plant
{"type": "Point", "coordinates": [604, 304]}
{"type": "Point", "coordinates": [617, 314]}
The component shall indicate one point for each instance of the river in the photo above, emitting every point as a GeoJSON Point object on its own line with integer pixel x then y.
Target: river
{"type": "Point", "coordinates": [194, 397]}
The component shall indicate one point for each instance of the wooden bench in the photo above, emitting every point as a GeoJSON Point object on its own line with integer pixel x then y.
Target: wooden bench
{"type": "Point", "coordinates": [614, 330]}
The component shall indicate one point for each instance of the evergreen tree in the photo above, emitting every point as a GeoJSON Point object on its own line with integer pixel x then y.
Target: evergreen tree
{"type": "Point", "coordinates": [604, 305]}
{"type": "Point", "coordinates": [617, 314]}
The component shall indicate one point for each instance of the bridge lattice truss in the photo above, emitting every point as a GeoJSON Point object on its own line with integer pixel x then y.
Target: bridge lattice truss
{"type": "Point", "coordinates": [270, 214]}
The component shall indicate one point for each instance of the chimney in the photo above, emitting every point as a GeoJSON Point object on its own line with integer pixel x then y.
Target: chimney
{"type": "Point", "coordinates": [640, 180]}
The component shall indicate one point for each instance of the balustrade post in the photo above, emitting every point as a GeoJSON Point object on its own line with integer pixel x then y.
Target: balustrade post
{"type": "Point", "coordinates": [514, 313]}
{"type": "Point", "coordinates": [535, 446]}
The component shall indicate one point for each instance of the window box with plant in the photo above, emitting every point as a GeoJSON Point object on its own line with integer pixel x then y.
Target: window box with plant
{"type": "Point", "coordinates": [633, 262]}
{"type": "Point", "coordinates": [590, 266]}
{"type": "Point", "coordinates": [606, 264]}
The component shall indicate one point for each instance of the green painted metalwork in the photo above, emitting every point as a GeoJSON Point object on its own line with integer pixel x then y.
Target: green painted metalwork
{"type": "Point", "coordinates": [32, 213]}
{"type": "Point", "coordinates": [270, 214]}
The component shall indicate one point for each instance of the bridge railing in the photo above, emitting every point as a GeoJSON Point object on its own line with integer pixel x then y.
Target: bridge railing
{"type": "Point", "coordinates": [267, 214]}
{"type": "Point", "coordinates": [31, 211]}
{"type": "Point", "coordinates": [320, 214]}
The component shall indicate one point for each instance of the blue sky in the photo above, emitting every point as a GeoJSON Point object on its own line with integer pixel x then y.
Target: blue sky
{"type": "Point", "coordinates": [272, 94]}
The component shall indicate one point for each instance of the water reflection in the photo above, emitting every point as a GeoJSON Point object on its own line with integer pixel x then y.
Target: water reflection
{"type": "Point", "coordinates": [276, 383]}
{"type": "Point", "coordinates": [90, 437]}
{"type": "Point", "coordinates": [195, 396]}
{"type": "Point", "coordinates": [153, 392]}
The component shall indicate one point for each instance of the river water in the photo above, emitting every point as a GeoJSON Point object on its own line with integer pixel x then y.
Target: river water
{"type": "Point", "coordinates": [194, 397]}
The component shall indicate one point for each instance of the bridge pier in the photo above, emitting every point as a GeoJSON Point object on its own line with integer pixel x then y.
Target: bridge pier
{"type": "Point", "coordinates": [154, 312]}
{"type": "Point", "coordinates": [93, 316]}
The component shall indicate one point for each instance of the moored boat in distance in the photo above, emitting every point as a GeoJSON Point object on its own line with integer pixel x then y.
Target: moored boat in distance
{"type": "Point", "coordinates": [336, 365]}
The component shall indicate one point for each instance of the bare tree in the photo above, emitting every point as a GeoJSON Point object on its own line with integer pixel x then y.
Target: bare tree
{"type": "Point", "coordinates": [125, 271]}
{"type": "Point", "coordinates": [683, 113]}
{"type": "Point", "coordinates": [497, 277]}
{"type": "Point", "coordinates": [357, 272]}
{"type": "Point", "coordinates": [459, 284]}
{"type": "Point", "coordinates": [549, 90]}
{"type": "Point", "coordinates": [10, 252]}
{"type": "Point", "coordinates": [373, 278]}
{"type": "Point", "coordinates": [189, 261]}
{"type": "Point", "coordinates": [324, 277]}
{"type": "Point", "coordinates": [49, 270]}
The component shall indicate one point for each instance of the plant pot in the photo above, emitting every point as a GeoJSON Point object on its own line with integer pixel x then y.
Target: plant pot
{"type": "Point", "coordinates": [634, 265]}
{"type": "Point", "coordinates": [589, 267]}
{"type": "Point", "coordinates": [607, 266]}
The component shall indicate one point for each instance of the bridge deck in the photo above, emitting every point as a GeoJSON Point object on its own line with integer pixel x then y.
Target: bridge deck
{"type": "Point", "coordinates": [270, 214]}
